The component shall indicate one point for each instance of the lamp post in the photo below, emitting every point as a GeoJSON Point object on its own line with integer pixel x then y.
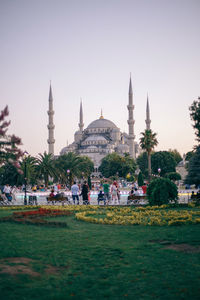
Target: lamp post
{"type": "Point", "coordinates": [159, 170]}
{"type": "Point", "coordinates": [68, 176]}
{"type": "Point", "coordinates": [25, 177]}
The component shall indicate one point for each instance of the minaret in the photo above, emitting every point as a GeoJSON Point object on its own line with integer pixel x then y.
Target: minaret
{"type": "Point", "coordinates": [51, 126]}
{"type": "Point", "coordinates": [131, 122]}
{"type": "Point", "coordinates": [81, 125]}
{"type": "Point", "coordinates": [148, 121]}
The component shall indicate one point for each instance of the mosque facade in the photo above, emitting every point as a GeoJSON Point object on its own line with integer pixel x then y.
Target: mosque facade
{"type": "Point", "coordinates": [101, 136]}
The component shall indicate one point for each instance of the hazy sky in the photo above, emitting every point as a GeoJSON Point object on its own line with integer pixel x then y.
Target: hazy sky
{"type": "Point", "coordinates": [87, 48]}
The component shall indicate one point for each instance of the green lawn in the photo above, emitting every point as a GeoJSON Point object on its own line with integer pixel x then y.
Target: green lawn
{"type": "Point", "coordinates": [93, 261]}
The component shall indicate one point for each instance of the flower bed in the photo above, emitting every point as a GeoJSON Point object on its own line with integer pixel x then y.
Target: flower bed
{"type": "Point", "coordinates": [141, 216]}
{"type": "Point", "coordinates": [36, 217]}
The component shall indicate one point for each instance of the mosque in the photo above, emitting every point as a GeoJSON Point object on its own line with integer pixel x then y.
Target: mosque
{"type": "Point", "coordinates": [102, 136]}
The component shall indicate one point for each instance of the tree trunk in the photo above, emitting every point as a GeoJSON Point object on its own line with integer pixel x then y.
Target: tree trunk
{"type": "Point", "coordinates": [149, 165]}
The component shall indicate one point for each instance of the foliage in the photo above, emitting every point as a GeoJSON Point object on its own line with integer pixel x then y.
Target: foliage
{"type": "Point", "coordinates": [173, 176]}
{"type": "Point", "coordinates": [9, 174]}
{"type": "Point", "coordinates": [9, 150]}
{"type": "Point", "coordinates": [142, 162]}
{"type": "Point", "coordinates": [163, 160]}
{"type": "Point", "coordinates": [193, 176]}
{"type": "Point", "coordinates": [46, 167]}
{"type": "Point", "coordinates": [140, 179]}
{"type": "Point", "coordinates": [147, 142]}
{"type": "Point", "coordinates": [78, 166]}
{"type": "Point", "coordinates": [189, 155]}
{"type": "Point", "coordinates": [114, 164]}
{"type": "Point", "coordinates": [195, 117]}
{"type": "Point", "coordinates": [176, 155]}
{"type": "Point", "coordinates": [161, 191]}
{"type": "Point", "coordinates": [30, 163]}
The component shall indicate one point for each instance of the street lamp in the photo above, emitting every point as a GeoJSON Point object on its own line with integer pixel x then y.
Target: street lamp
{"type": "Point", "coordinates": [25, 177]}
{"type": "Point", "coordinates": [68, 175]}
{"type": "Point", "coordinates": [159, 170]}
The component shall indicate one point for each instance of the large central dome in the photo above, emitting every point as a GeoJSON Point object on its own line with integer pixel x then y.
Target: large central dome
{"type": "Point", "coordinates": [101, 123]}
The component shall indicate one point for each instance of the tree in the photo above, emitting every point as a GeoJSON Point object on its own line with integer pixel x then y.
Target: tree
{"type": "Point", "coordinates": [116, 165]}
{"type": "Point", "coordinates": [140, 179]}
{"type": "Point", "coordinates": [30, 163]}
{"type": "Point", "coordinates": [142, 162]}
{"type": "Point", "coordinates": [161, 191]}
{"type": "Point", "coordinates": [147, 142]}
{"type": "Point", "coordinates": [189, 155]}
{"type": "Point", "coordinates": [9, 150]}
{"type": "Point", "coordinates": [195, 117]}
{"type": "Point", "coordinates": [164, 161]}
{"type": "Point", "coordinates": [71, 165]}
{"type": "Point", "coordinates": [193, 176]}
{"type": "Point", "coordinates": [174, 176]}
{"type": "Point", "coordinates": [46, 167]}
{"type": "Point", "coordinates": [176, 155]}
{"type": "Point", "coordinates": [9, 174]}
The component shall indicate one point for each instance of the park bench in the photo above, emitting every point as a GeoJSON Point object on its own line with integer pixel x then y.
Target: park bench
{"type": "Point", "coordinates": [54, 200]}
{"type": "Point", "coordinates": [133, 199]}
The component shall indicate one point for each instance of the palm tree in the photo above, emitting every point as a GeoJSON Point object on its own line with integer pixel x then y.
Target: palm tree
{"type": "Point", "coordinates": [147, 142]}
{"type": "Point", "coordinates": [46, 167]}
{"type": "Point", "coordinates": [30, 164]}
{"type": "Point", "coordinates": [71, 165]}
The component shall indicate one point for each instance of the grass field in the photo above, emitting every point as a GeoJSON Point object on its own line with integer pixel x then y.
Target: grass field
{"type": "Point", "coordinates": [94, 261]}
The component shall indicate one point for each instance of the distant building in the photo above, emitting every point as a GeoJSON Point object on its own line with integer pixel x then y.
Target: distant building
{"type": "Point", "coordinates": [101, 136]}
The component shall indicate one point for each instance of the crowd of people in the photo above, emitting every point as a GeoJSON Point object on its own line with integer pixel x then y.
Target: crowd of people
{"type": "Point", "coordinates": [108, 192]}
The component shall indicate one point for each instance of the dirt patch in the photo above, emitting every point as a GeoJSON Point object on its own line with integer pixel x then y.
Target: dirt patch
{"type": "Point", "coordinates": [18, 269]}
{"type": "Point", "coordinates": [17, 260]}
{"type": "Point", "coordinates": [184, 248]}
{"type": "Point", "coordinates": [23, 265]}
{"type": "Point", "coordinates": [162, 242]}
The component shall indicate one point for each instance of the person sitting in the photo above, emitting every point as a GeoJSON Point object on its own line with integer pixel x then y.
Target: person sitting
{"type": "Point", "coordinates": [51, 195]}
{"type": "Point", "coordinates": [136, 192]}
{"type": "Point", "coordinates": [101, 198]}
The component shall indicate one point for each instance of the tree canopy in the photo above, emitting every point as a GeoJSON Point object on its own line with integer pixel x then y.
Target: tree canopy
{"type": "Point", "coordinates": [193, 176]}
{"type": "Point", "coordinates": [9, 150]}
{"type": "Point", "coordinates": [164, 161]}
{"type": "Point", "coordinates": [176, 155]}
{"type": "Point", "coordinates": [114, 164]}
{"type": "Point", "coordinates": [142, 162]}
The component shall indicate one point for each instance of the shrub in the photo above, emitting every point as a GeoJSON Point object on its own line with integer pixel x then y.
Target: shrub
{"type": "Point", "coordinates": [161, 191]}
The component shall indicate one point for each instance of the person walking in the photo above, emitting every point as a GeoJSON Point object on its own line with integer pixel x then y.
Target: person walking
{"type": "Point", "coordinates": [75, 192]}
{"type": "Point", "coordinates": [84, 193]}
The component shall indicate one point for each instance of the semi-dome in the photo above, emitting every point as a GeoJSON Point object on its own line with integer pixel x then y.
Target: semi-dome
{"type": "Point", "coordinates": [101, 123]}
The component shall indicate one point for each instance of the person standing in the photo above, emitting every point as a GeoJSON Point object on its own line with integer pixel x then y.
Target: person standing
{"type": "Point", "coordinates": [75, 192]}
{"type": "Point", "coordinates": [106, 188]}
{"type": "Point", "coordinates": [84, 193]}
{"type": "Point", "coordinates": [114, 193]}
{"type": "Point", "coordinates": [7, 192]}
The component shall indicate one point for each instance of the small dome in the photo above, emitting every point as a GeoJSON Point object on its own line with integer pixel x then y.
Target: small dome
{"type": "Point", "coordinates": [123, 148]}
{"type": "Point", "coordinates": [101, 123]}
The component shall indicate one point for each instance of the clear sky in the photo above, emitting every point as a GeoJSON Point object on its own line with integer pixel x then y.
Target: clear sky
{"type": "Point", "coordinates": [87, 48]}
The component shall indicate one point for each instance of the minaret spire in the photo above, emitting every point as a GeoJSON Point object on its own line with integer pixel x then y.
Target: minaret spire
{"type": "Point", "coordinates": [101, 117]}
{"type": "Point", "coordinates": [81, 125]}
{"type": "Point", "coordinates": [51, 126]}
{"type": "Point", "coordinates": [148, 121]}
{"type": "Point", "coordinates": [131, 121]}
